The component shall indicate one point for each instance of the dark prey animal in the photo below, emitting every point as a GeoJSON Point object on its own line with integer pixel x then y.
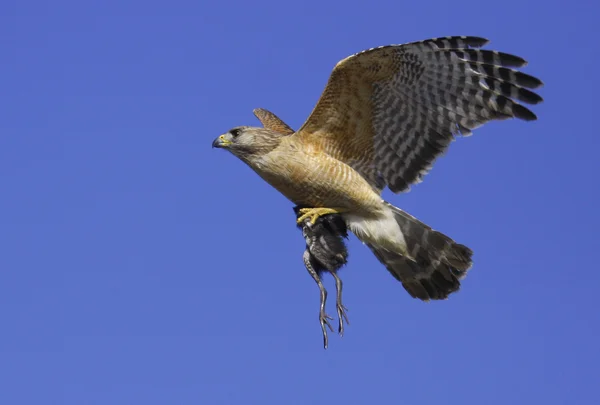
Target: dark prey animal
{"type": "Point", "coordinates": [326, 252]}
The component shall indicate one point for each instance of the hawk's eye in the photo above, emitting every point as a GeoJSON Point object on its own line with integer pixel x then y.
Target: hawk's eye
{"type": "Point", "coordinates": [235, 132]}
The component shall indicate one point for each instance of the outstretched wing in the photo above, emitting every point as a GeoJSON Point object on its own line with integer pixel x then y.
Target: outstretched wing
{"type": "Point", "coordinates": [389, 112]}
{"type": "Point", "coordinates": [271, 121]}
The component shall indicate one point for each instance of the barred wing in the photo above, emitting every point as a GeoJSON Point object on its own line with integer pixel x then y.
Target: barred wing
{"type": "Point", "coordinates": [389, 112]}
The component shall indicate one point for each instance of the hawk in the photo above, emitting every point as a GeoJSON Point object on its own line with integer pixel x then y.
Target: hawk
{"type": "Point", "coordinates": [384, 117]}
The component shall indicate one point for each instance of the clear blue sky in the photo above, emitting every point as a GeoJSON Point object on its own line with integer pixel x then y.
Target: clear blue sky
{"type": "Point", "coordinates": [139, 266]}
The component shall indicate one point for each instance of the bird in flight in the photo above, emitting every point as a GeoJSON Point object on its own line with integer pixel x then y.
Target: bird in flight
{"type": "Point", "coordinates": [384, 117]}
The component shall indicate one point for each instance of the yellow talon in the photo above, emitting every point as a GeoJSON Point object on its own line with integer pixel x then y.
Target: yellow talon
{"type": "Point", "coordinates": [315, 213]}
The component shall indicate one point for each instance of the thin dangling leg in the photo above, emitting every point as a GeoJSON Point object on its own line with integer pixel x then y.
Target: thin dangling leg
{"type": "Point", "coordinates": [341, 309]}
{"type": "Point", "coordinates": [323, 317]}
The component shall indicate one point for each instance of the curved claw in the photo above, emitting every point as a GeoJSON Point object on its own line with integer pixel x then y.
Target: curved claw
{"type": "Point", "coordinates": [314, 213]}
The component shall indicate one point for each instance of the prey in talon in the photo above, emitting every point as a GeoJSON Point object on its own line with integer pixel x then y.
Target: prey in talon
{"type": "Point", "coordinates": [325, 252]}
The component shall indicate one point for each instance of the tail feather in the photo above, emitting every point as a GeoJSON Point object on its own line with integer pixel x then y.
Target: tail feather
{"type": "Point", "coordinates": [435, 263]}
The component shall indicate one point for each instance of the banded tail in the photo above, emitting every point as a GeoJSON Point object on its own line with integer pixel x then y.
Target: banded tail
{"type": "Point", "coordinates": [436, 263]}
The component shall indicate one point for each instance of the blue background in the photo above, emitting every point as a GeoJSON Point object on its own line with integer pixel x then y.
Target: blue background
{"type": "Point", "coordinates": [138, 265]}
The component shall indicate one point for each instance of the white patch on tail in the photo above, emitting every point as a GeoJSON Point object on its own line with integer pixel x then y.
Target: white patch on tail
{"type": "Point", "coordinates": [381, 231]}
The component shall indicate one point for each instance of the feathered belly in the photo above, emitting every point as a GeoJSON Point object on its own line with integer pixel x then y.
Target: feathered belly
{"type": "Point", "coordinates": [318, 180]}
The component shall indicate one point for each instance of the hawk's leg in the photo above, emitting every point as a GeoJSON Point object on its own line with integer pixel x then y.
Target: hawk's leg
{"type": "Point", "coordinates": [315, 213]}
{"type": "Point", "coordinates": [341, 309]}
{"type": "Point", "coordinates": [323, 317]}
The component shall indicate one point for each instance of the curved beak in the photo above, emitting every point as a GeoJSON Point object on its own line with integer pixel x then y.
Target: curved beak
{"type": "Point", "coordinates": [221, 142]}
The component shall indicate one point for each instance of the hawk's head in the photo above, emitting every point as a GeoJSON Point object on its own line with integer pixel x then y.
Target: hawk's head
{"type": "Point", "coordinates": [248, 142]}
